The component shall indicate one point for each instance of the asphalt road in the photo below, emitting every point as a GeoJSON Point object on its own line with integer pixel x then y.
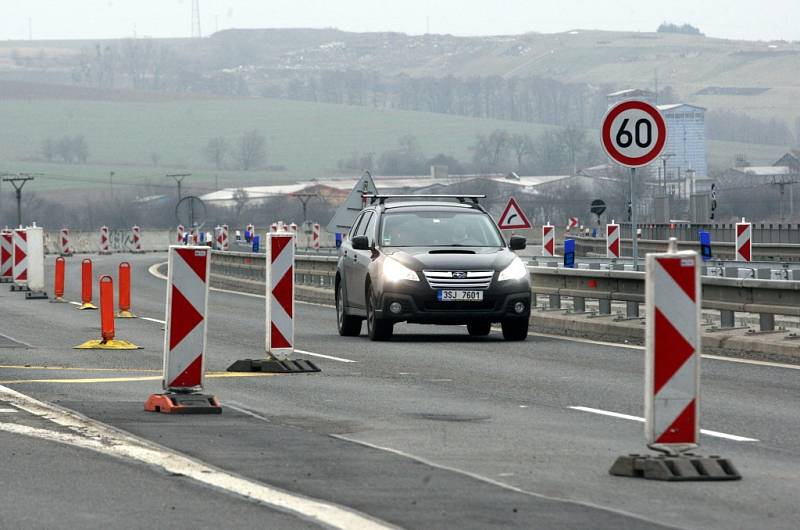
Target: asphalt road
{"type": "Point", "coordinates": [431, 430]}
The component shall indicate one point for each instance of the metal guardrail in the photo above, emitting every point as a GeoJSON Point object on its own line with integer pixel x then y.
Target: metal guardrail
{"type": "Point", "coordinates": [728, 295]}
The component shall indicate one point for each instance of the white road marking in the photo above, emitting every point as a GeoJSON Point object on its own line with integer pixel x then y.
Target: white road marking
{"type": "Point", "coordinates": [8, 410]}
{"type": "Point", "coordinates": [157, 274]}
{"type": "Point", "coordinates": [491, 481]}
{"type": "Point", "coordinates": [96, 436]}
{"type": "Point", "coordinates": [157, 321]}
{"type": "Point", "coordinates": [716, 434]}
{"type": "Point", "coordinates": [154, 270]}
{"type": "Point", "coordinates": [331, 357]}
{"type": "Point", "coordinates": [12, 339]}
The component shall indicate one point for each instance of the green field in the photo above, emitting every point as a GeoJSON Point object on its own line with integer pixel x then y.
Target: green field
{"type": "Point", "coordinates": [307, 138]}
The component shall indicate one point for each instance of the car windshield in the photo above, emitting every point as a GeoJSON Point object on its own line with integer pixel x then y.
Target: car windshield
{"type": "Point", "coordinates": [439, 229]}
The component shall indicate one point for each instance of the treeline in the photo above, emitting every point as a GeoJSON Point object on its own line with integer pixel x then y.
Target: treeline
{"type": "Point", "coordinates": [686, 29]}
{"type": "Point", "coordinates": [734, 127]}
{"type": "Point", "coordinates": [247, 152]}
{"type": "Point", "coordinates": [529, 99]}
{"type": "Point", "coordinates": [555, 152]}
{"type": "Point", "coordinates": [70, 149]}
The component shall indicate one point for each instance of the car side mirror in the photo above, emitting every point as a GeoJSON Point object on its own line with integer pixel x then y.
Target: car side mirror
{"type": "Point", "coordinates": [360, 242]}
{"type": "Point", "coordinates": [517, 243]}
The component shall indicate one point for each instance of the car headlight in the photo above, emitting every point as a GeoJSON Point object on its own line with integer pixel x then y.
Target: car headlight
{"type": "Point", "coordinates": [515, 271]}
{"type": "Point", "coordinates": [394, 271]}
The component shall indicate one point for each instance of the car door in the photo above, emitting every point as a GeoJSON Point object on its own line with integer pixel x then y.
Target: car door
{"type": "Point", "coordinates": [347, 261]}
{"type": "Point", "coordinates": [362, 260]}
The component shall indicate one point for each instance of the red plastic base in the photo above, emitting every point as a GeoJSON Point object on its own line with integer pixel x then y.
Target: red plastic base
{"type": "Point", "coordinates": [174, 403]}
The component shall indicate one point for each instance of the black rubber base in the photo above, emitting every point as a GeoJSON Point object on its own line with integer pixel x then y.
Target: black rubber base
{"type": "Point", "coordinates": [19, 288]}
{"type": "Point", "coordinates": [5, 280]}
{"type": "Point", "coordinates": [686, 467]}
{"type": "Point", "coordinates": [36, 295]}
{"type": "Point", "coordinates": [297, 366]}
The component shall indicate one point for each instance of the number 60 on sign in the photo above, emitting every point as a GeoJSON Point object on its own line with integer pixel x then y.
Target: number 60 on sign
{"type": "Point", "coordinates": [633, 133]}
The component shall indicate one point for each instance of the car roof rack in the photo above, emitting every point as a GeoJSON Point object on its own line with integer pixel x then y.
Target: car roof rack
{"type": "Point", "coordinates": [381, 199]}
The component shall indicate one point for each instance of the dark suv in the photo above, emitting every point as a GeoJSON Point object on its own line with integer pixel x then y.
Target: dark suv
{"type": "Point", "coordinates": [430, 262]}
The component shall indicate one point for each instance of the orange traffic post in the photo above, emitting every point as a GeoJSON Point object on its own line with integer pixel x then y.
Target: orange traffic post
{"type": "Point", "coordinates": [125, 291]}
{"type": "Point", "coordinates": [58, 282]}
{"type": "Point", "coordinates": [107, 332]}
{"type": "Point", "coordinates": [86, 285]}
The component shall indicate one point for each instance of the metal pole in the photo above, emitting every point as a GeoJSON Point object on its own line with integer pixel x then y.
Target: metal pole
{"type": "Point", "coordinates": [634, 226]}
{"type": "Point", "coordinates": [19, 206]}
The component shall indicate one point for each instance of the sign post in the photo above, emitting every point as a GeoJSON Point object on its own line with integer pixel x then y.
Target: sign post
{"type": "Point", "coordinates": [633, 135]}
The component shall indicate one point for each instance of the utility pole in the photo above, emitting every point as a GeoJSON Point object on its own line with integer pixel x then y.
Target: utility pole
{"type": "Point", "coordinates": [18, 182]}
{"type": "Point", "coordinates": [664, 158]}
{"type": "Point", "coordinates": [304, 198]}
{"type": "Point", "coordinates": [111, 183]}
{"type": "Point", "coordinates": [178, 177]}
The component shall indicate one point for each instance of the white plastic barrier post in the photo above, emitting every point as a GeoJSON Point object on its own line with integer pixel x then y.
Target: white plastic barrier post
{"type": "Point", "coordinates": [65, 243]}
{"type": "Point", "coordinates": [273, 228]}
{"type": "Point", "coordinates": [316, 231]}
{"type": "Point", "coordinates": [744, 241]}
{"type": "Point", "coordinates": [185, 334]}
{"type": "Point", "coordinates": [6, 255]}
{"type": "Point", "coordinates": [548, 240]}
{"type": "Point", "coordinates": [217, 237]}
{"type": "Point", "coordinates": [105, 244]}
{"type": "Point", "coordinates": [180, 233]}
{"type": "Point", "coordinates": [35, 239]}
{"type": "Point", "coordinates": [136, 239]}
{"type": "Point", "coordinates": [20, 260]}
{"type": "Point", "coordinates": [225, 244]}
{"type": "Point", "coordinates": [280, 295]}
{"type": "Point", "coordinates": [612, 240]}
{"type": "Point", "coordinates": [293, 231]}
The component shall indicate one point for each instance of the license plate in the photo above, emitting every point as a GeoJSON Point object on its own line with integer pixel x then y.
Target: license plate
{"type": "Point", "coordinates": [459, 296]}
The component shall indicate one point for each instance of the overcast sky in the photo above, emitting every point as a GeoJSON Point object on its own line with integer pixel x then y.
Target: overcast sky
{"type": "Point", "coordinates": [736, 19]}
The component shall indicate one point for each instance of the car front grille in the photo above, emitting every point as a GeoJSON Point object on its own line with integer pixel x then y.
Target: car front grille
{"type": "Point", "coordinates": [452, 279]}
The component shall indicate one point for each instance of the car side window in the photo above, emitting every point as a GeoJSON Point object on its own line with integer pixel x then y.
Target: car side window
{"type": "Point", "coordinates": [365, 222]}
{"type": "Point", "coordinates": [370, 229]}
{"type": "Point", "coordinates": [356, 224]}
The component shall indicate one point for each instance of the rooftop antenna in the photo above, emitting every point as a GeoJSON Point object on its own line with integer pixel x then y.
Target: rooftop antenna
{"type": "Point", "coordinates": [196, 19]}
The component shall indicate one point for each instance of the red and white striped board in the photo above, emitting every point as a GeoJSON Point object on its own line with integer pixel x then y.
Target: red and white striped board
{"type": "Point", "coordinates": [64, 243]}
{"type": "Point", "coordinates": [217, 237]}
{"type": "Point", "coordinates": [6, 255]}
{"type": "Point", "coordinates": [548, 240]}
{"type": "Point", "coordinates": [744, 241]}
{"type": "Point", "coordinates": [316, 231]}
{"type": "Point", "coordinates": [20, 260]}
{"type": "Point", "coordinates": [572, 222]}
{"type": "Point", "coordinates": [136, 239]}
{"type": "Point", "coordinates": [225, 243]}
{"type": "Point", "coordinates": [273, 228]}
{"type": "Point", "coordinates": [672, 362]}
{"type": "Point", "coordinates": [187, 307]}
{"type": "Point", "coordinates": [181, 231]}
{"type": "Point", "coordinates": [105, 243]}
{"type": "Point", "coordinates": [612, 240]}
{"type": "Point", "coordinates": [280, 295]}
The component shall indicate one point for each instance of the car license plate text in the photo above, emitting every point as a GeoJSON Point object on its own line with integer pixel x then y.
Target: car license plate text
{"type": "Point", "coordinates": [459, 296]}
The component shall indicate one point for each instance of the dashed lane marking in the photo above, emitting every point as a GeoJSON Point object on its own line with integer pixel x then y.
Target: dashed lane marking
{"type": "Point", "coordinates": [331, 357]}
{"type": "Point", "coordinates": [90, 380]}
{"type": "Point", "coordinates": [74, 368]}
{"type": "Point", "coordinates": [4, 411]}
{"type": "Point", "coordinates": [716, 434]}
{"type": "Point", "coordinates": [96, 436]}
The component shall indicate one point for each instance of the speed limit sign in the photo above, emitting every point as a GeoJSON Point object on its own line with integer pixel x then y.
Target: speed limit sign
{"type": "Point", "coordinates": [633, 133]}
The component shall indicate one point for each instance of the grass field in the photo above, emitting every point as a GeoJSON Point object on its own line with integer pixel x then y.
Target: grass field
{"type": "Point", "coordinates": [307, 138]}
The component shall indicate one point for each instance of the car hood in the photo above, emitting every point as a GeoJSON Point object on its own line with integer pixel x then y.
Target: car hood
{"type": "Point", "coordinates": [451, 258]}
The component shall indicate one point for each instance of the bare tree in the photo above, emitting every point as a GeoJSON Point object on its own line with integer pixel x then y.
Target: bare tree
{"type": "Point", "coordinates": [240, 198]}
{"type": "Point", "coordinates": [252, 150]}
{"type": "Point", "coordinates": [523, 147]}
{"type": "Point", "coordinates": [216, 151]}
{"type": "Point", "coordinates": [49, 149]}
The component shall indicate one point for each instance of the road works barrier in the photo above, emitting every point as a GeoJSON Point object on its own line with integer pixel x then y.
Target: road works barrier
{"type": "Point", "coordinates": [316, 229]}
{"type": "Point", "coordinates": [20, 260]}
{"type": "Point", "coordinates": [124, 276]}
{"type": "Point", "coordinates": [64, 243]}
{"type": "Point", "coordinates": [6, 255]}
{"type": "Point", "coordinates": [136, 239]}
{"type": "Point", "coordinates": [58, 280]}
{"type": "Point", "coordinates": [548, 240]}
{"type": "Point", "coordinates": [105, 243]}
{"type": "Point", "coordinates": [107, 331]}
{"type": "Point", "coordinates": [612, 240]}
{"type": "Point", "coordinates": [35, 241]}
{"type": "Point", "coordinates": [180, 232]}
{"type": "Point", "coordinates": [672, 375]}
{"type": "Point", "coordinates": [744, 241]}
{"type": "Point", "coordinates": [185, 335]}
{"type": "Point", "coordinates": [86, 285]}
{"type": "Point", "coordinates": [280, 280]}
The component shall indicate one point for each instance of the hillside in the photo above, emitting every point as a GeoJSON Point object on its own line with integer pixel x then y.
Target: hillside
{"type": "Point", "coordinates": [756, 78]}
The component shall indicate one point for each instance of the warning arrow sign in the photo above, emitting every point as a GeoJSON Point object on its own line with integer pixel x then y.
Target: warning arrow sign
{"type": "Point", "coordinates": [513, 217]}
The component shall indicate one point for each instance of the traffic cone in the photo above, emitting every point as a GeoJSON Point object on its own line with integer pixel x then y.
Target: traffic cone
{"type": "Point", "coordinates": [107, 342]}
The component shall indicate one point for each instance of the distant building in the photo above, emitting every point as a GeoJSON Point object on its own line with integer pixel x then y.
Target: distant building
{"type": "Point", "coordinates": [630, 93]}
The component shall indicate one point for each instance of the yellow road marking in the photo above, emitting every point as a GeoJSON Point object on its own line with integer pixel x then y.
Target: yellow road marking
{"type": "Point", "coordinates": [75, 368]}
{"type": "Point", "coordinates": [210, 375]}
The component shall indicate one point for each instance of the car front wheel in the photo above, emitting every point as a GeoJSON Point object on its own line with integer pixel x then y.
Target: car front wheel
{"type": "Point", "coordinates": [349, 326]}
{"type": "Point", "coordinates": [515, 329]}
{"type": "Point", "coordinates": [377, 328]}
